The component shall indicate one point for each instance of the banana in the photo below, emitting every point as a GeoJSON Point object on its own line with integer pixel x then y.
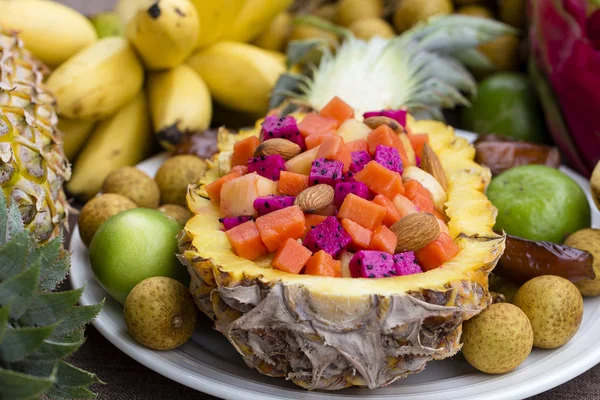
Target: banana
{"type": "Point", "coordinates": [165, 34]}
{"type": "Point", "coordinates": [51, 31]}
{"type": "Point", "coordinates": [75, 133]}
{"type": "Point", "coordinates": [97, 81]}
{"type": "Point", "coordinates": [255, 17]}
{"type": "Point", "coordinates": [121, 140]}
{"type": "Point", "coordinates": [277, 33]}
{"type": "Point", "coordinates": [240, 76]}
{"type": "Point", "coordinates": [126, 9]}
{"type": "Point", "coordinates": [180, 104]}
{"type": "Point", "coordinates": [216, 18]}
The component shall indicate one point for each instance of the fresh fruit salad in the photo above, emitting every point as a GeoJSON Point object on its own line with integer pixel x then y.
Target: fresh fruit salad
{"type": "Point", "coordinates": [333, 196]}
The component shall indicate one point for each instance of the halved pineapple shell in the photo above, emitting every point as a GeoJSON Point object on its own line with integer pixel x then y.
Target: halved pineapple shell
{"type": "Point", "coordinates": [331, 333]}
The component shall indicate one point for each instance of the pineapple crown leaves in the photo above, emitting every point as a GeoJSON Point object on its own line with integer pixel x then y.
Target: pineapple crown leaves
{"type": "Point", "coordinates": [38, 327]}
{"type": "Point", "coordinates": [422, 70]}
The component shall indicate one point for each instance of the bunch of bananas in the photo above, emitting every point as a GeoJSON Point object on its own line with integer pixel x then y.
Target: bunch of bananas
{"type": "Point", "coordinates": [157, 73]}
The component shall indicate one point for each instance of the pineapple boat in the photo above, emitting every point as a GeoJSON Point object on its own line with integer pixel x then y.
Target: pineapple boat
{"type": "Point", "coordinates": [336, 252]}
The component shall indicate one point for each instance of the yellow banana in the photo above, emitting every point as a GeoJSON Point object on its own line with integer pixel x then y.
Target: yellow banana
{"type": "Point", "coordinates": [75, 133]}
{"type": "Point", "coordinates": [165, 33]}
{"type": "Point", "coordinates": [128, 8]}
{"type": "Point", "coordinates": [97, 81]}
{"type": "Point", "coordinates": [239, 75]}
{"type": "Point", "coordinates": [51, 31]}
{"type": "Point", "coordinates": [123, 139]}
{"type": "Point", "coordinates": [216, 18]}
{"type": "Point", "coordinates": [180, 104]}
{"type": "Point", "coordinates": [277, 33]}
{"type": "Point", "coordinates": [254, 18]}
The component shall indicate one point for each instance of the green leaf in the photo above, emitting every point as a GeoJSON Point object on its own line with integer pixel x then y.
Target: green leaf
{"type": "Point", "coordinates": [51, 350]}
{"type": "Point", "coordinates": [473, 58]}
{"type": "Point", "coordinates": [19, 289]}
{"type": "Point", "coordinates": [49, 255]}
{"type": "Point", "coordinates": [4, 313]}
{"type": "Point", "coordinates": [287, 86]}
{"type": "Point", "coordinates": [18, 343]}
{"type": "Point", "coordinates": [11, 222]}
{"type": "Point", "coordinates": [34, 367]}
{"type": "Point", "coordinates": [309, 51]}
{"type": "Point", "coordinates": [49, 308]}
{"type": "Point", "coordinates": [51, 277]}
{"type": "Point", "coordinates": [66, 392]}
{"type": "Point", "coordinates": [13, 256]}
{"type": "Point", "coordinates": [17, 385]}
{"type": "Point", "coordinates": [78, 318]}
{"type": "Point", "coordinates": [320, 23]}
{"type": "Point", "coordinates": [3, 218]}
{"type": "Point", "coordinates": [70, 376]}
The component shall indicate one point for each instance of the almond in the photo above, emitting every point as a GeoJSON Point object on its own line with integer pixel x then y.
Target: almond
{"type": "Point", "coordinates": [315, 198]}
{"type": "Point", "coordinates": [283, 147]}
{"type": "Point", "coordinates": [430, 163]}
{"type": "Point", "coordinates": [415, 231]}
{"type": "Point", "coordinates": [374, 122]}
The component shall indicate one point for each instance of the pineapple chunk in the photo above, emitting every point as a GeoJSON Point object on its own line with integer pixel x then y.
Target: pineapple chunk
{"type": "Point", "coordinates": [238, 195]}
{"type": "Point", "coordinates": [352, 130]}
{"type": "Point", "coordinates": [302, 162]}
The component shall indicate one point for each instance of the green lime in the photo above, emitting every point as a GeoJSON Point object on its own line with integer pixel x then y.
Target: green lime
{"type": "Point", "coordinates": [506, 104]}
{"type": "Point", "coordinates": [536, 202]}
{"type": "Point", "coordinates": [132, 246]}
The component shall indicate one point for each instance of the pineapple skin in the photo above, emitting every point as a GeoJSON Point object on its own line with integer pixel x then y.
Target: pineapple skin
{"type": "Point", "coordinates": [33, 166]}
{"type": "Point", "coordinates": [332, 333]}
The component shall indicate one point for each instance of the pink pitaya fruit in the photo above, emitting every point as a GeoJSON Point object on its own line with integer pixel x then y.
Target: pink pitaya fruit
{"type": "Point", "coordinates": [232, 222]}
{"type": "Point", "coordinates": [325, 171]}
{"type": "Point", "coordinates": [372, 264]}
{"type": "Point", "coordinates": [267, 204]}
{"type": "Point", "coordinates": [406, 263]}
{"type": "Point", "coordinates": [343, 189]}
{"type": "Point", "coordinates": [282, 127]}
{"type": "Point", "coordinates": [329, 236]}
{"type": "Point", "coordinates": [359, 160]}
{"type": "Point", "coordinates": [268, 166]}
{"type": "Point", "coordinates": [389, 158]}
{"type": "Point", "coordinates": [398, 115]}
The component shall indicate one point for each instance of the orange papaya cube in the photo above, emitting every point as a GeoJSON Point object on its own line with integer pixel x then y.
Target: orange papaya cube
{"type": "Point", "coordinates": [334, 148]}
{"type": "Point", "coordinates": [245, 241]}
{"type": "Point", "coordinates": [357, 145]}
{"type": "Point", "coordinates": [214, 189]}
{"type": "Point", "coordinates": [337, 109]}
{"type": "Point", "coordinates": [316, 140]}
{"type": "Point", "coordinates": [391, 214]}
{"type": "Point", "coordinates": [291, 257]}
{"type": "Point", "coordinates": [291, 183]}
{"type": "Point", "coordinates": [437, 252]}
{"type": "Point", "coordinates": [361, 211]}
{"type": "Point", "coordinates": [383, 240]}
{"type": "Point", "coordinates": [419, 196]}
{"type": "Point", "coordinates": [418, 140]}
{"type": "Point", "coordinates": [404, 206]}
{"type": "Point", "coordinates": [277, 227]}
{"type": "Point", "coordinates": [361, 237]}
{"type": "Point", "coordinates": [321, 263]}
{"type": "Point", "coordinates": [385, 136]}
{"type": "Point", "coordinates": [312, 220]}
{"type": "Point", "coordinates": [243, 150]}
{"type": "Point", "coordinates": [380, 179]}
{"type": "Point", "coordinates": [314, 124]}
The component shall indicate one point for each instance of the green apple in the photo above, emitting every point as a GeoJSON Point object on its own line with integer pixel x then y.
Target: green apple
{"type": "Point", "coordinates": [132, 246]}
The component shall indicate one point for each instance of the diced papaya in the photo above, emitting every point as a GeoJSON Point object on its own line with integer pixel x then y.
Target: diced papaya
{"type": "Point", "coordinates": [361, 237]}
{"type": "Point", "coordinates": [380, 179]}
{"type": "Point", "coordinates": [385, 136]}
{"type": "Point", "coordinates": [361, 211]}
{"type": "Point", "coordinates": [312, 220]}
{"type": "Point", "coordinates": [419, 196]}
{"type": "Point", "coordinates": [334, 148]}
{"type": "Point", "coordinates": [338, 110]}
{"type": "Point", "coordinates": [243, 150]}
{"type": "Point", "coordinates": [404, 206]}
{"type": "Point", "coordinates": [383, 240]}
{"type": "Point", "coordinates": [316, 140]}
{"type": "Point", "coordinates": [291, 257]}
{"type": "Point", "coordinates": [322, 264]}
{"type": "Point", "coordinates": [214, 189]}
{"type": "Point", "coordinates": [277, 227]}
{"type": "Point", "coordinates": [291, 183]}
{"type": "Point", "coordinates": [391, 214]}
{"type": "Point", "coordinates": [418, 140]}
{"type": "Point", "coordinates": [357, 145]}
{"type": "Point", "coordinates": [245, 241]}
{"type": "Point", "coordinates": [437, 252]}
{"type": "Point", "coordinates": [313, 124]}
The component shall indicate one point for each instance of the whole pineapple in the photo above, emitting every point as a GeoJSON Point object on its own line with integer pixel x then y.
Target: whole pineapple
{"type": "Point", "coordinates": [33, 166]}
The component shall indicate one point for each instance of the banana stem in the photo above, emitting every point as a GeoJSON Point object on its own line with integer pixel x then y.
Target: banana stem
{"type": "Point", "coordinates": [322, 24]}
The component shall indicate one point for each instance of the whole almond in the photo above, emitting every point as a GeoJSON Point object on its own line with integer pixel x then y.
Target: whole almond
{"type": "Point", "coordinates": [415, 231]}
{"type": "Point", "coordinates": [283, 147]}
{"type": "Point", "coordinates": [374, 122]}
{"type": "Point", "coordinates": [431, 164]}
{"type": "Point", "coordinates": [315, 198]}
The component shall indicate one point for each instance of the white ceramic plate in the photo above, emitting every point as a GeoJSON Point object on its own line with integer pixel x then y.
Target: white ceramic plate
{"type": "Point", "coordinates": [209, 363]}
